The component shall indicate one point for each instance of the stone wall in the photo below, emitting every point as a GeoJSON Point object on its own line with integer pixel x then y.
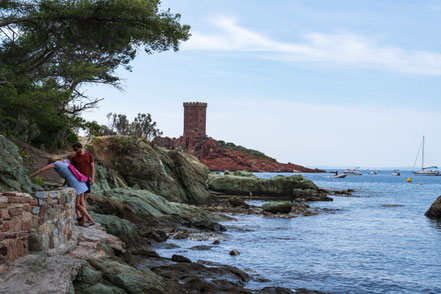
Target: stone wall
{"type": "Point", "coordinates": [37, 222]}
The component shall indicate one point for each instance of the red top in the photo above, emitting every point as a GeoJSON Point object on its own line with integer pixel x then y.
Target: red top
{"type": "Point", "coordinates": [82, 163]}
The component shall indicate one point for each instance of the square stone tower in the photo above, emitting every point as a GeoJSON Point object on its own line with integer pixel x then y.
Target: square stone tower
{"type": "Point", "coordinates": [195, 116]}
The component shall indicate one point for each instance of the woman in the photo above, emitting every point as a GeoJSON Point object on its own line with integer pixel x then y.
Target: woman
{"type": "Point", "coordinates": [62, 168]}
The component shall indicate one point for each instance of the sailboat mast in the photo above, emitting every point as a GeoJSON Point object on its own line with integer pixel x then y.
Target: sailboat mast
{"type": "Point", "coordinates": [422, 161]}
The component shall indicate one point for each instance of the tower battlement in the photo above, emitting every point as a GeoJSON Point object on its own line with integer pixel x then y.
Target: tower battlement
{"type": "Point", "coordinates": [203, 104]}
{"type": "Point", "coordinates": [195, 116]}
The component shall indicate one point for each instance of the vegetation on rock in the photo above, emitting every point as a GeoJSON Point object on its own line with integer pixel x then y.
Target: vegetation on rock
{"type": "Point", "coordinates": [250, 152]}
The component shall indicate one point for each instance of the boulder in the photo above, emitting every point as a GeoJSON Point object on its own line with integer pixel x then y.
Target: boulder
{"type": "Point", "coordinates": [236, 201]}
{"type": "Point", "coordinates": [201, 247]}
{"type": "Point", "coordinates": [234, 252]}
{"type": "Point", "coordinates": [180, 258]}
{"type": "Point", "coordinates": [119, 227]}
{"type": "Point", "coordinates": [434, 210]}
{"type": "Point", "coordinates": [13, 174]}
{"type": "Point", "coordinates": [277, 206]}
{"type": "Point", "coordinates": [111, 275]}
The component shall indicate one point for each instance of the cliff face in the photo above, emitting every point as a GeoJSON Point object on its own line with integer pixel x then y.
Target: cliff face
{"type": "Point", "coordinates": [221, 157]}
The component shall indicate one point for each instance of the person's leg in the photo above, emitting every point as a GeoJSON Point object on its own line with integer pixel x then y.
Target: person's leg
{"type": "Point", "coordinates": [78, 210]}
{"type": "Point", "coordinates": [83, 211]}
{"type": "Point", "coordinates": [83, 196]}
{"type": "Point", "coordinates": [83, 200]}
{"type": "Point", "coordinates": [79, 216]}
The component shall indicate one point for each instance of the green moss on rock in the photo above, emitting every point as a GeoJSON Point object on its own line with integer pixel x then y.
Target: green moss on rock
{"type": "Point", "coordinates": [292, 187]}
{"type": "Point", "coordinates": [13, 174]}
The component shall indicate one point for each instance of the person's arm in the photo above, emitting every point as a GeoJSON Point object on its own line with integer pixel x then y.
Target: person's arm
{"type": "Point", "coordinates": [92, 173]}
{"type": "Point", "coordinates": [47, 167]}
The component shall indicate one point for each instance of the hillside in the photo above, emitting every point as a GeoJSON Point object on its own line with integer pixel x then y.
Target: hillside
{"type": "Point", "coordinates": [221, 156]}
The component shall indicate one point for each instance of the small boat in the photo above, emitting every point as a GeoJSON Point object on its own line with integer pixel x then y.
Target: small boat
{"type": "Point", "coordinates": [354, 171]}
{"type": "Point", "coordinates": [396, 172]}
{"type": "Point", "coordinates": [373, 173]}
{"type": "Point", "coordinates": [428, 170]}
{"type": "Point", "coordinates": [340, 176]}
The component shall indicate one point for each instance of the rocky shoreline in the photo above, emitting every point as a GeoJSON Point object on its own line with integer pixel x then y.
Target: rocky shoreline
{"type": "Point", "coordinates": [143, 196]}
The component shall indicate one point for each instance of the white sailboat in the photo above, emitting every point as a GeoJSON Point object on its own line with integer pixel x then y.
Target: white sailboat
{"type": "Point", "coordinates": [428, 170]}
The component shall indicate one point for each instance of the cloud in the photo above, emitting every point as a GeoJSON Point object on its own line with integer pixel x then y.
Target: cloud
{"type": "Point", "coordinates": [339, 48]}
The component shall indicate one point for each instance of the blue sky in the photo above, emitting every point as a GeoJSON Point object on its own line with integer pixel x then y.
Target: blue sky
{"type": "Point", "coordinates": [318, 83]}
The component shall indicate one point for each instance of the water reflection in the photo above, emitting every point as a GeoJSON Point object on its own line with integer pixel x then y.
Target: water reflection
{"type": "Point", "coordinates": [435, 223]}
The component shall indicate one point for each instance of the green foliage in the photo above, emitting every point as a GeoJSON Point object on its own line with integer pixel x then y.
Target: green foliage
{"type": "Point", "coordinates": [92, 128]}
{"type": "Point", "coordinates": [142, 126]}
{"type": "Point", "coordinates": [49, 49]}
{"type": "Point", "coordinates": [123, 145]}
{"type": "Point", "coordinates": [27, 159]}
{"type": "Point", "coordinates": [37, 181]}
{"type": "Point", "coordinates": [252, 153]}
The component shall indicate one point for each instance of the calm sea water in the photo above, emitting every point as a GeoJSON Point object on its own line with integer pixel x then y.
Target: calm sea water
{"type": "Point", "coordinates": [363, 247]}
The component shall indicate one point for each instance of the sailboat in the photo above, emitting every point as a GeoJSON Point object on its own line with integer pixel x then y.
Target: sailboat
{"type": "Point", "coordinates": [428, 170]}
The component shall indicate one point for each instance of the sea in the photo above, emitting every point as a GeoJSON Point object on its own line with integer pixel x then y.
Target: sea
{"type": "Point", "coordinates": [378, 241]}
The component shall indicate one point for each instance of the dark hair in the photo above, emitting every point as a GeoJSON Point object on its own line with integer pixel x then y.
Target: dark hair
{"type": "Point", "coordinates": [77, 145]}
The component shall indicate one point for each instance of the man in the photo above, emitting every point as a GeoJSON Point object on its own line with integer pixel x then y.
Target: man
{"type": "Point", "coordinates": [83, 162]}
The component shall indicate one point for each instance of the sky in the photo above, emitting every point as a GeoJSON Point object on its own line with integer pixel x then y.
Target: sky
{"type": "Point", "coordinates": [339, 83]}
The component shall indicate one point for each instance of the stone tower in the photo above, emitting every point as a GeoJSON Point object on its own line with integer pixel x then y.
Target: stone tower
{"type": "Point", "coordinates": [195, 119]}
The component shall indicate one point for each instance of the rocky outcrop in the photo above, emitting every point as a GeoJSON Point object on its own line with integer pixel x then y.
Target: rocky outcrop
{"type": "Point", "coordinates": [124, 162]}
{"type": "Point", "coordinates": [13, 174]}
{"type": "Point", "coordinates": [221, 157]}
{"type": "Point", "coordinates": [40, 274]}
{"type": "Point", "coordinates": [277, 207]}
{"type": "Point", "coordinates": [121, 209]}
{"type": "Point", "coordinates": [294, 187]}
{"type": "Point", "coordinates": [435, 209]}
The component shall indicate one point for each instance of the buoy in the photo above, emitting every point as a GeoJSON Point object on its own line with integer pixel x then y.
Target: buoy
{"type": "Point", "coordinates": [409, 180]}
{"type": "Point", "coordinates": [421, 183]}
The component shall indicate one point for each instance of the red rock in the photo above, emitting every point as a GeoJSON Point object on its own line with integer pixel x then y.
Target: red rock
{"type": "Point", "coordinates": [27, 207]}
{"type": "Point", "coordinates": [220, 158]}
{"type": "Point", "coordinates": [15, 224]}
{"type": "Point", "coordinates": [26, 225]}
{"type": "Point", "coordinates": [15, 211]}
{"type": "Point", "coordinates": [5, 227]}
{"type": "Point", "coordinates": [24, 200]}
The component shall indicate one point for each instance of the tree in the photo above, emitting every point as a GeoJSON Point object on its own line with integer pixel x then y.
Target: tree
{"type": "Point", "coordinates": [56, 47]}
{"type": "Point", "coordinates": [118, 123]}
{"type": "Point", "coordinates": [142, 126]}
